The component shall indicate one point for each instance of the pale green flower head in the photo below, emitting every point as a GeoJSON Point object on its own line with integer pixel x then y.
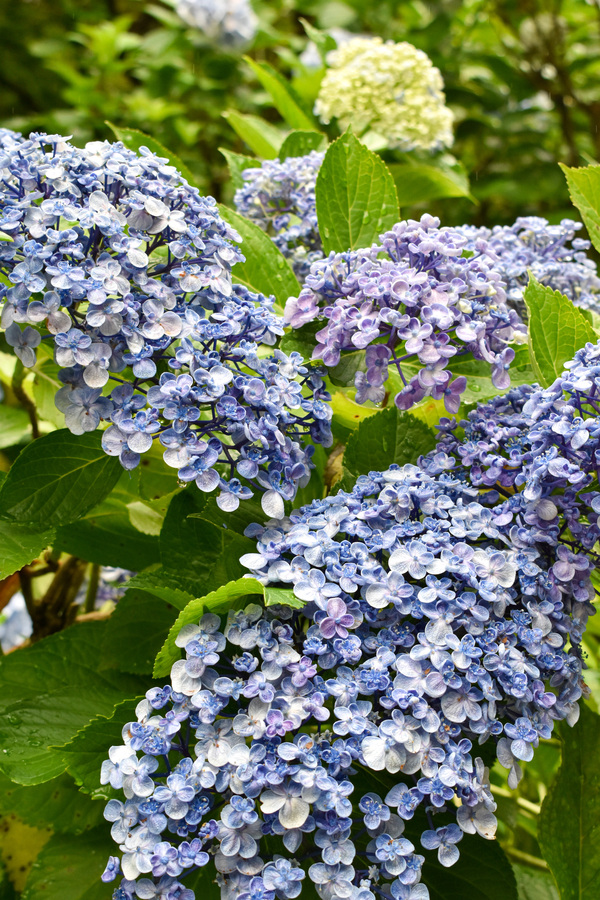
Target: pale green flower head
{"type": "Point", "coordinates": [391, 89]}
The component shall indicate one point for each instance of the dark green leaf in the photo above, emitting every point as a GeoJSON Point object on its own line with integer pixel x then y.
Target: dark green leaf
{"type": "Point", "coordinates": [71, 870]}
{"type": "Point", "coordinates": [389, 437]}
{"type": "Point", "coordinates": [136, 631]}
{"type": "Point", "coordinates": [299, 143]}
{"type": "Point", "coordinates": [57, 804]}
{"type": "Point", "coordinates": [158, 581]}
{"type": "Point", "coordinates": [284, 98]}
{"type": "Point", "coordinates": [419, 182]}
{"type": "Point", "coordinates": [134, 139]}
{"type": "Point", "coordinates": [238, 163]}
{"type": "Point", "coordinates": [58, 478]}
{"type": "Point", "coordinates": [156, 478]}
{"type": "Point", "coordinates": [263, 138]}
{"type": "Point", "coordinates": [302, 340]}
{"type": "Point", "coordinates": [51, 690]}
{"type": "Point", "coordinates": [219, 601]}
{"type": "Point", "coordinates": [569, 827]}
{"type": "Point", "coordinates": [265, 271]}
{"type": "Point", "coordinates": [20, 545]}
{"type": "Point", "coordinates": [356, 196]}
{"type": "Point", "coordinates": [557, 330]}
{"type": "Point", "coordinates": [482, 873]}
{"type": "Point", "coordinates": [534, 884]}
{"type": "Point", "coordinates": [15, 426]}
{"type": "Point", "coordinates": [584, 188]}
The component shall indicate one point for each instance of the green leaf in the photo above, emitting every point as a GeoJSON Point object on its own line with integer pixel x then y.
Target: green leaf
{"type": "Point", "coordinates": [419, 182]}
{"type": "Point", "coordinates": [481, 873]}
{"type": "Point", "coordinates": [275, 596]}
{"type": "Point", "coordinates": [15, 426]}
{"type": "Point", "coordinates": [356, 196]}
{"type": "Point", "coordinates": [389, 437]}
{"type": "Point", "coordinates": [134, 139]}
{"type": "Point", "coordinates": [84, 755]}
{"type": "Point", "coordinates": [136, 631]}
{"type": "Point", "coordinates": [50, 690]}
{"type": "Point", "coordinates": [238, 163]}
{"type": "Point", "coordinates": [20, 545]}
{"type": "Point", "coordinates": [57, 804]}
{"type": "Point", "coordinates": [158, 582]}
{"type": "Point", "coordinates": [219, 601]}
{"type": "Point", "coordinates": [569, 826]}
{"type": "Point", "coordinates": [284, 97]}
{"type": "Point", "coordinates": [263, 138]}
{"type": "Point", "coordinates": [58, 478]}
{"type": "Point", "coordinates": [584, 188]}
{"type": "Point", "coordinates": [534, 884]}
{"type": "Point", "coordinates": [300, 143]}
{"type": "Point", "coordinates": [156, 478]}
{"type": "Point", "coordinates": [266, 270]}
{"type": "Point", "coordinates": [557, 329]}
{"type": "Point", "coordinates": [71, 869]}
{"type": "Point", "coordinates": [322, 39]}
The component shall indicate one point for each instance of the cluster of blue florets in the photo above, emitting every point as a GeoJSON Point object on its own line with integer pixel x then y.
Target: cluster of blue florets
{"type": "Point", "coordinates": [128, 271]}
{"type": "Point", "coordinates": [229, 23]}
{"type": "Point", "coordinates": [280, 197]}
{"type": "Point", "coordinates": [415, 304]}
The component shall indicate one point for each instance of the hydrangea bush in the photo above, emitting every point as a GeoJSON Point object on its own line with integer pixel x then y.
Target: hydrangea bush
{"type": "Point", "coordinates": [230, 23]}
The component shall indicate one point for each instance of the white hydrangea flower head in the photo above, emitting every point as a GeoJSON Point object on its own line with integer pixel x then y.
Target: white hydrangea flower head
{"type": "Point", "coordinates": [392, 89]}
{"type": "Point", "coordinates": [227, 22]}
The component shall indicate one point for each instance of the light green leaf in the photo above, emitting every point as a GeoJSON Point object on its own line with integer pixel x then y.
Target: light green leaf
{"type": "Point", "coordinates": [57, 804]}
{"type": "Point", "coordinates": [356, 196]}
{"type": "Point", "coordinates": [266, 270]}
{"type": "Point", "coordinates": [263, 138]}
{"type": "Point", "coordinates": [134, 139]}
{"type": "Point", "coordinates": [284, 98]}
{"type": "Point", "coordinates": [219, 601]}
{"type": "Point", "coordinates": [275, 596]}
{"type": "Point", "coordinates": [20, 545]}
{"type": "Point", "coordinates": [557, 329]}
{"type": "Point", "coordinates": [419, 182]}
{"type": "Point", "coordinates": [534, 884]}
{"type": "Point", "coordinates": [71, 869]}
{"type": "Point", "coordinates": [569, 827]}
{"type": "Point", "coordinates": [300, 143]}
{"type": "Point", "coordinates": [50, 691]}
{"type": "Point", "coordinates": [238, 163]}
{"type": "Point", "coordinates": [322, 39]}
{"type": "Point", "coordinates": [15, 426]}
{"type": "Point", "coordinates": [584, 188]}
{"type": "Point", "coordinates": [58, 478]}
{"type": "Point", "coordinates": [388, 437]}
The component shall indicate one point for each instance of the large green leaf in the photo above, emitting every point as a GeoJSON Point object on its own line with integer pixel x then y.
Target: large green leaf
{"type": "Point", "coordinates": [134, 139]}
{"type": "Point", "coordinates": [136, 631]}
{"type": "Point", "coordinates": [419, 182]}
{"type": "Point", "coordinates": [299, 143]}
{"type": "Point", "coordinates": [569, 827]}
{"type": "Point", "coordinates": [71, 870]}
{"type": "Point", "coordinates": [356, 196]}
{"type": "Point", "coordinates": [534, 884]}
{"type": "Point", "coordinates": [557, 329]}
{"type": "Point", "coordinates": [238, 163]}
{"type": "Point", "coordinates": [482, 873]}
{"type": "Point", "coordinates": [84, 755]}
{"type": "Point", "coordinates": [389, 437]}
{"type": "Point", "coordinates": [15, 425]}
{"type": "Point", "coordinates": [49, 692]}
{"type": "Point", "coordinates": [219, 601]}
{"type": "Point", "coordinates": [284, 98]}
{"type": "Point", "coordinates": [20, 545]}
{"type": "Point", "coordinates": [57, 804]}
{"type": "Point", "coordinates": [263, 138]}
{"type": "Point", "coordinates": [584, 188]}
{"type": "Point", "coordinates": [58, 478]}
{"type": "Point", "coordinates": [265, 269]}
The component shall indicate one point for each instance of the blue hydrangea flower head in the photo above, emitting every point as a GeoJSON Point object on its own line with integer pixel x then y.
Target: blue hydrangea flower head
{"type": "Point", "coordinates": [230, 23]}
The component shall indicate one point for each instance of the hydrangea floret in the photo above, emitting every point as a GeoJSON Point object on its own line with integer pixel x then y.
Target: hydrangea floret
{"type": "Point", "coordinates": [230, 23]}
{"type": "Point", "coordinates": [279, 196]}
{"type": "Point", "coordinates": [415, 304]}
{"type": "Point", "coordinates": [121, 264]}
{"type": "Point", "coordinates": [391, 89]}
{"type": "Point", "coordinates": [296, 745]}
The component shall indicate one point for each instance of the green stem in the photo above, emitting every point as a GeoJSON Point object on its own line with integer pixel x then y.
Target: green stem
{"type": "Point", "coordinates": [92, 589]}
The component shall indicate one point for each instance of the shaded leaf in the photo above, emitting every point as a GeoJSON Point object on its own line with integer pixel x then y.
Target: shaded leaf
{"type": "Point", "coordinates": [134, 139]}
{"type": "Point", "coordinates": [263, 138]}
{"type": "Point", "coordinates": [238, 163]}
{"type": "Point", "coordinates": [20, 545]}
{"type": "Point", "coordinates": [389, 437]}
{"type": "Point", "coordinates": [136, 631]}
{"type": "Point", "coordinates": [300, 143]}
{"type": "Point", "coordinates": [419, 182]}
{"type": "Point", "coordinates": [57, 804]}
{"type": "Point", "coordinates": [71, 869]}
{"type": "Point", "coordinates": [15, 426]}
{"type": "Point", "coordinates": [284, 98]}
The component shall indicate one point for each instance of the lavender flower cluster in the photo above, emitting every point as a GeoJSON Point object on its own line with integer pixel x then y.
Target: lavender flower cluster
{"type": "Point", "coordinates": [414, 303]}
{"type": "Point", "coordinates": [279, 196]}
{"type": "Point", "coordinates": [229, 23]}
{"type": "Point", "coordinates": [430, 623]}
{"type": "Point", "coordinates": [553, 253]}
{"type": "Point", "coordinates": [129, 270]}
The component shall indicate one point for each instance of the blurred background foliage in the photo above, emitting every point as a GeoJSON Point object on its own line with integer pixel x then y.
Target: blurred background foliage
{"type": "Point", "coordinates": [520, 77]}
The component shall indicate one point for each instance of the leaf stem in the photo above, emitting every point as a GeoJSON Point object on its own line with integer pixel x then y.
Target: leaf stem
{"type": "Point", "coordinates": [25, 401]}
{"type": "Point", "coordinates": [92, 589]}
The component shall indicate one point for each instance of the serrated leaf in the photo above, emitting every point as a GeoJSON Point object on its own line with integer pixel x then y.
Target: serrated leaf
{"type": "Point", "coordinates": [557, 329]}
{"type": "Point", "coordinates": [136, 631]}
{"type": "Point", "coordinates": [15, 426]}
{"type": "Point", "coordinates": [71, 869]}
{"type": "Point", "coordinates": [238, 163]}
{"type": "Point", "coordinates": [584, 188]}
{"type": "Point", "coordinates": [83, 756]}
{"type": "Point", "coordinates": [159, 583]}
{"type": "Point", "coordinates": [300, 143]}
{"type": "Point", "coordinates": [20, 545]}
{"type": "Point", "coordinates": [275, 596]}
{"type": "Point", "coordinates": [134, 139]}
{"type": "Point", "coordinates": [219, 601]}
{"type": "Point", "coordinates": [569, 825]}
{"type": "Point", "coordinates": [265, 270]}
{"type": "Point", "coordinates": [419, 182]}
{"type": "Point", "coordinates": [283, 96]}
{"type": "Point", "coordinates": [57, 479]}
{"type": "Point", "coordinates": [263, 138]}
{"type": "Point", "coordinates": [389, 437]}
{"type": "Point", "coordinates": [50, 691]}
{"type": "Point", "coordinates": [57, 804]}
{"type": "Point", "coordinates": [356, 196]}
